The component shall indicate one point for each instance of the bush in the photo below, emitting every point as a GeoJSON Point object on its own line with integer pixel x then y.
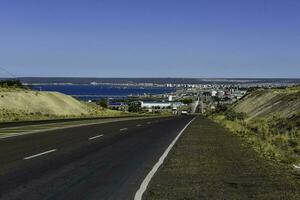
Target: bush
{"type": "Point", "coordinates": [221, 108]}
{"type": "Point", "coordinates": [102, 103]}
{"type": "Point", "coordinates": [231, 115]}
{"type": "Point", "coordinates": [263, 129]}
{"type": "Point", "coordinates": [11, 83]}
{"type": "Point", "coordinates": [134, 107]}
{"type": "Point", "coordinates": [186, 101]}
{"type": "Point", "coordinates": [280, 141]}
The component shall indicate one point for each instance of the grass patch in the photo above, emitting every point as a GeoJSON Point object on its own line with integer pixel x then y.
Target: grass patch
{"type": "Point", "coordinates": [275, 139]}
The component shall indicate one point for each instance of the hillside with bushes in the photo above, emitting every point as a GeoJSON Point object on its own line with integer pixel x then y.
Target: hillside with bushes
{"type": "Point", "coordinates": [269, 120]}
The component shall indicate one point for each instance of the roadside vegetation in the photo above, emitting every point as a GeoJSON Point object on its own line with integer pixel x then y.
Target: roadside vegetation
{"type": "Point", "coordinates": [11, 85]}
{"type": "Point", "coordinates": [271, 124]}
{"type": "Point", "coordinates": [88, 110]}
{"type": "Point", "coordinates": [186, 101]}
{"type": "Point", "coordinates": [19, 103]}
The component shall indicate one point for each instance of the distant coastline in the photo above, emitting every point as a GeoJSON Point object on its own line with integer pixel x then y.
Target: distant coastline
{"type": "Point", "coordinates": [94, 92]}
{"type": "Point", "coordinates": [151, 81]}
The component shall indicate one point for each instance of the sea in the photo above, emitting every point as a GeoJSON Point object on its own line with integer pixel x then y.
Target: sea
{"type": "Point", "coordinates": [97, 92]}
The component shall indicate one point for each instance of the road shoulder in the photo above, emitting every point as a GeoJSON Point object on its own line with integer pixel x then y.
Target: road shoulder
{"type": "Point", "coordinates": [207, 162]}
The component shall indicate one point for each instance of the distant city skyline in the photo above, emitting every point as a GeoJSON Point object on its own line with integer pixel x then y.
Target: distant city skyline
{"type": "Point", "coordinates": [158, 38]}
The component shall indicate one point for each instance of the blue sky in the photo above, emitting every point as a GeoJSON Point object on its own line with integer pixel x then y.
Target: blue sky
{"type": "Point", "coordinates": [150, 38]}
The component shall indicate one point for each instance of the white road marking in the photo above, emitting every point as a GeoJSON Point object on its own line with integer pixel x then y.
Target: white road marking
{"type": "Point", "coordinates": [97, 136]}
{"type": "Point", "coordinates": [296, 166]}
{"type": "Point", "coordinates": [123, 129]}
{"type": "Point", "coordinates": [145, 183]}
{"type": "Point", "coordinates": [40, 154]}
{"type": "Point", "coordinates": [148, 122]}
{"type": "Point", "coordinates": [25, 132]}
{"type": "Point", "coordinates": [138, 125]}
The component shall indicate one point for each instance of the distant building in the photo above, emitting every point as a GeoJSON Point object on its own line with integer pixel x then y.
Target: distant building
{"type": "Point", "coordinates": [117, 106]}
{"type": "Point", "coordinates": [213, 93]}
{"type": "Point", "coordinates": [160, 105]}
{"type": "Point", "coordinates": [221, 93]}
{"type": "Point", "coordinates": [151, 104]}
{"type": "Point", "coordinates": [93, 83]}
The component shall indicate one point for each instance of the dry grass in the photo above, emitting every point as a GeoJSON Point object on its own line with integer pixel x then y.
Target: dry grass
{"type": "Point", "coordinates": [19, 104]}
{"type": "Point", "coordinates": [265, 103]}
{"type": "Point", "coordinates": [269, 140]}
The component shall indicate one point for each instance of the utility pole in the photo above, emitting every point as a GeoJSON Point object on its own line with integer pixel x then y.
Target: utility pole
{"type": "Point", "coordinates": [202, 109]}
{"type": "Point", "coordinates": [7, 72]}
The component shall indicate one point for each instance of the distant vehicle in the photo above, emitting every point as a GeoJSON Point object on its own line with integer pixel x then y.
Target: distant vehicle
{"type": "Point", "coordinates": [184, 112]}
{"type": "Point", "coordinates": [174, 111]}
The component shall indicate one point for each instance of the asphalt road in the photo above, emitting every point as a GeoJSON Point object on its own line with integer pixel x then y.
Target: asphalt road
{"type": "Point", "coordinates": [105, 161]}
{"type": "Point", "coordinates": [51, 121]}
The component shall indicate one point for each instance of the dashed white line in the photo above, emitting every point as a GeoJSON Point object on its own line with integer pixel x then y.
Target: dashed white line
{"type": "Point", "coordinates": [138, 125]}
{"type": "Point", "coordinates": [145, 183]}
{"type": "Point", "coordinates": [148, 122]}
{"type": "Point", "coordinates": [95, 137]}
{"type": "Point", "coordinates": [40, 154]}
{"type": "Point", "coordinates": [123, 129]}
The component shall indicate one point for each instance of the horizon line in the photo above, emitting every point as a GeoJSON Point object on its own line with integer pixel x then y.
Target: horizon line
{"type": "Point", "coordinates": [150, 77]}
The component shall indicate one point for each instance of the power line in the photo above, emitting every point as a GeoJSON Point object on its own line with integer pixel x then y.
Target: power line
{"type": "Point", "coordinates": [7, 72]}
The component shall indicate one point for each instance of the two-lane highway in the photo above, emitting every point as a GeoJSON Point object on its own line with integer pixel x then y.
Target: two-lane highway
{"type": "Point", "coordinates": [104, 161]}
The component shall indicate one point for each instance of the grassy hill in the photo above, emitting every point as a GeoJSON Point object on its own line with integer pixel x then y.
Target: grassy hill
{"type": "Point", "coordinates": [269, 119]}
{"type": "Point", "coordinates": [21, 104]}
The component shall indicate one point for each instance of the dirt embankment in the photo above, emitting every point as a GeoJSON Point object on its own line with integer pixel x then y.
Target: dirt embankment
{"type": "Point", "coordinates": [265, 103]}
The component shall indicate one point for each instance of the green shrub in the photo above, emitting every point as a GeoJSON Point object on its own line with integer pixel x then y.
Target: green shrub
{"type": "Point", "coordinates": [102, 103]}
{"type": "Point", "coordinates": [11, 83]}
{"type": "Point", "coordinates": [134, 107]}
{"type": "Point", "coordinates": [221, 108]}
{"type": "Point", "coordinates": [231, 115]}
{"type": "Point", "coordinates": [186, 100]}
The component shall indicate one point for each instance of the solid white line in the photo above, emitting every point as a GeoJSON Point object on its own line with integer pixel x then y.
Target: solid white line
{"type": "Point", "coordinates": [97, 136]}
{"type": "Point", "coordinates": [123, 129]}
{"type": "Point", "coordinates": [40, 154]}
{"type": "Point", "coordinates": [145, 183]}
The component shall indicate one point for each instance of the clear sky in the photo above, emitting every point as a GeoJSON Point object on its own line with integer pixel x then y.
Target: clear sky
{"type": "Point", "coordinates": [150, 38]}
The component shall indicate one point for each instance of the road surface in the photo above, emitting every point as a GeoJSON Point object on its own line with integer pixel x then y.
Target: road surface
{"type": "Point", "coordinates": [52, 121]}
{"type": "Point", "coordinates": [104, 161]}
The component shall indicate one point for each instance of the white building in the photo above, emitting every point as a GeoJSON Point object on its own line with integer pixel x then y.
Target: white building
{"type": "Point", "coordinates": [155, 104]}
{"type": "Point", "coordinates": [160, 105]}
{"type": "Point", "coordinates": [213, 93]}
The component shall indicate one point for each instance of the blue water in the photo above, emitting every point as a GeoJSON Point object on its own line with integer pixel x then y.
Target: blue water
{"type": "Point", "coordinates": [97, 92]}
